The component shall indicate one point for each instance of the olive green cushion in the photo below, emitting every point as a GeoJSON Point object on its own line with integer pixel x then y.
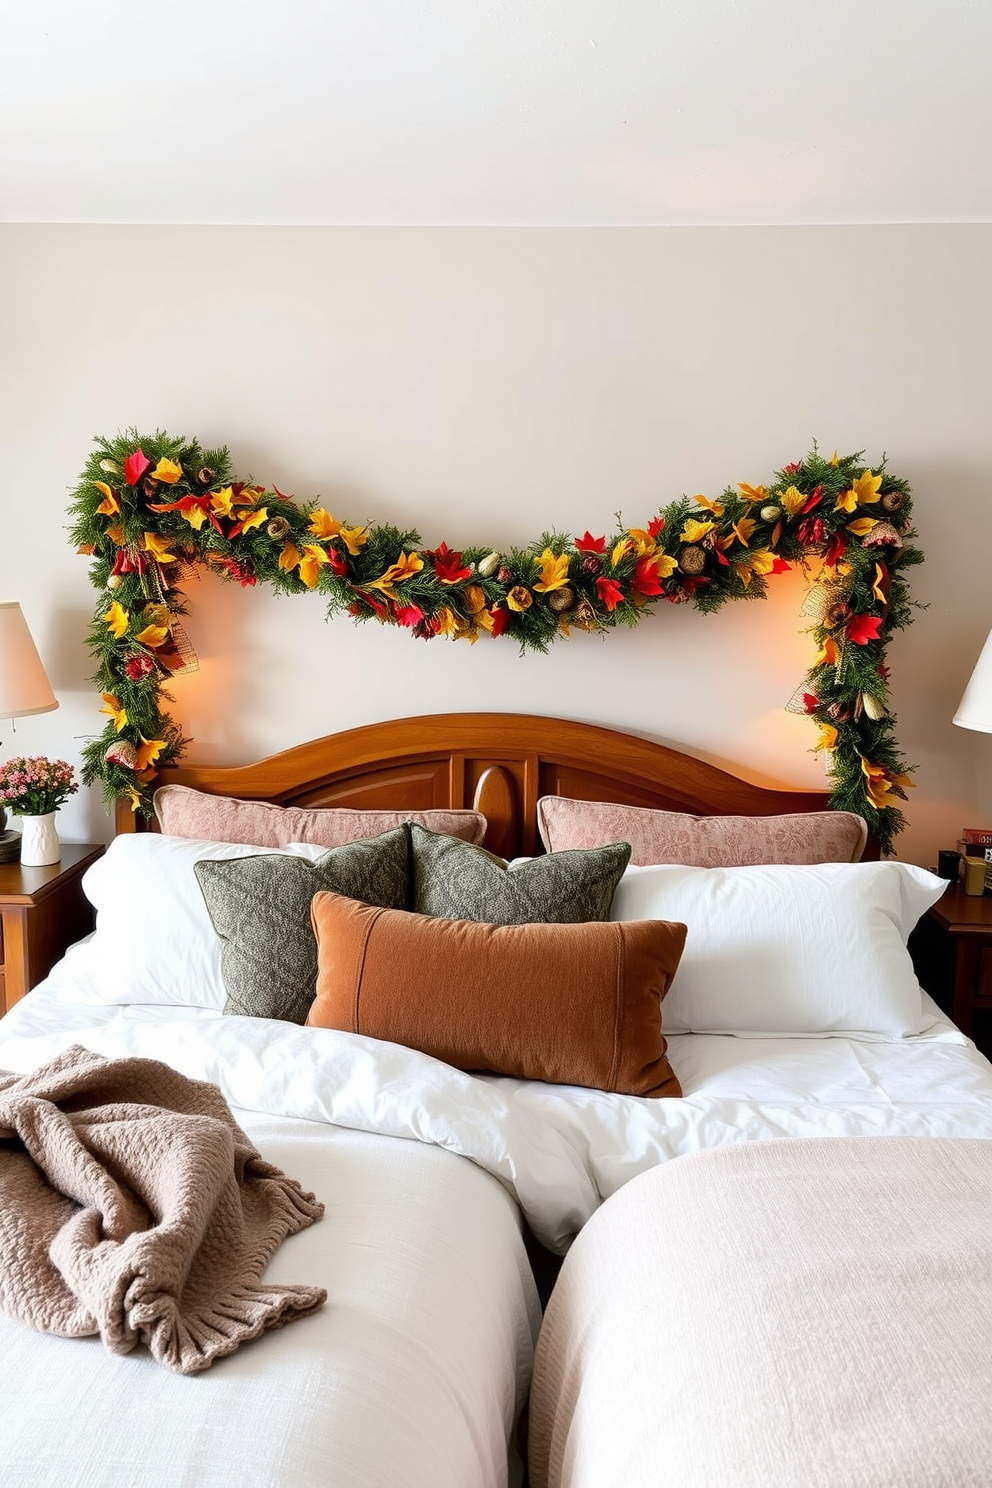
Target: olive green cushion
{"type": "Point", "coordinates": [260, 907]}
{"type": "Point", "coordinates": [453, 880]}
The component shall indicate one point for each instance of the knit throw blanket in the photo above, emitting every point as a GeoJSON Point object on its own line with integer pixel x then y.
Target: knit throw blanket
{"type": "Point", "coordinates": [133, 1206]}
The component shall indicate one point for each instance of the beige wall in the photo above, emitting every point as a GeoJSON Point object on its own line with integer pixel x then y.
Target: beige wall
{"type": "Point", "coordinates": [484, 385]}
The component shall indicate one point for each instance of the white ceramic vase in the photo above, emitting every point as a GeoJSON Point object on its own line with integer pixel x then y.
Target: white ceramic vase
{"type": "Point", "coordinates": [39, 841]}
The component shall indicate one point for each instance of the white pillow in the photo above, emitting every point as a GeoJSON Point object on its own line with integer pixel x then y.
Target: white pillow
{"type": "Point", "coordinates": [154, 942]}
{"type": "Point", "coordinates": [807, 950]}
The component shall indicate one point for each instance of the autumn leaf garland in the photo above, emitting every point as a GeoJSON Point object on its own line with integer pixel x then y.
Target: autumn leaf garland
{"type": "Point", "coordinates": [150, 507]}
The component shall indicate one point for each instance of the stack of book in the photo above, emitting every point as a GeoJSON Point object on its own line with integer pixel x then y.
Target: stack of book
{"type": "Point", "coordinates": [976, 842]}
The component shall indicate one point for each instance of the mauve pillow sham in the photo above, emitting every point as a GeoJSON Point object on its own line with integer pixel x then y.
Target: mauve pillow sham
{"type": "Point", "coordinates": [184, 812]}
{"type": "Point", "coordinates": [702, 841]}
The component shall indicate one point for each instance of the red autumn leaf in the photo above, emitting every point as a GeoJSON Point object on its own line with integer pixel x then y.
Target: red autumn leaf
{"type": "Point", "coordinates": [834, 550]}
{"type": "Point", "coordinates": [500, 618]}
{"type": "Point", "coordinates": [408, 615]}
{"type": "Point", "coordinates": [883, 671]}
{"type": "Point", "coordinates": [448, 566]}
{"type": "Point", "coordinates": [589, 544]}
{"type": "Point", "coordinates": [609, 592]}
{"type": "Point", "coordinates": [375, 605]}
{"type": "Point", "coordinates": [656, 525]}
{"type": "Point", "coordinates": [810, 702]}
{"type": "Point", "coordinates": [814, 500]}
{"type": "Point", "coordinates": [645, 579]}
{"type": "Point", "coordinates": [135, 466]}
{"type": "Point", "coordinates": [281, 494]}
{"type": "Point", "coordinates": [337, 562]}
{"type": "Point", "coordinates": [780, 566]}
{"type": "Point", "coordinates": [792, 469]}
{"type": "Point", "coordinates": [861, 629]}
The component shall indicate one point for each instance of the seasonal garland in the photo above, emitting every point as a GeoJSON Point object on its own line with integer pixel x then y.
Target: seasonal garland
{"type": "Point", "coordinates": [150, 508]}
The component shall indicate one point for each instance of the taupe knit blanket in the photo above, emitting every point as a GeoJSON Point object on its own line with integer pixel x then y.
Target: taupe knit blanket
{"type": "Point", "coordinates": [132, 1205]}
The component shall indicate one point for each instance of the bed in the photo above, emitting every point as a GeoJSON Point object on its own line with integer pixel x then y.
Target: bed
{"type": "Point", "coordinates": [417, 1369]}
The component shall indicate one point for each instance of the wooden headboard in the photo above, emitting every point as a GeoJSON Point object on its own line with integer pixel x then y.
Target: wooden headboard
{"type": "Point", "coordinates": [497, 763]}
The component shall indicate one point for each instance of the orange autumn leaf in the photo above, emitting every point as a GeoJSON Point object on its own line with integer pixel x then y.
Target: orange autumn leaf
{"type": "Point", "coordinates": [744, 528]}
{"type": "Point", "coordinates": [148, 752]}
{"type": "Point", "coordinates": [827, 654]}
{"type": "Point", "coordinates": [862, 525]}
{"type": "Point", "coordinates": [255, 519]}
{"type": "Point", "coordinates": [290, 557]}
{"type": "Point", "coordinates": [827, 739]}
{"type": "Point", "coordinates": [222, 502]}
{"type": "Point", "coordinates": [793, 500]}
{"type": "Point", "coordinates": [323, 525]}
{"type": "Point", "coordinates": [694, 531]}
{"type": "Point", "coordinates": [644, 543]}
{"type": "Point", "coordinates": [158, 547]}
{"type": "Point", "coordinates": [752, 493]}
{"type": "Point", "coordinates": [620, 550]}
{"type": "Point", "coordinates": [152, 636]}
{"type": "Point", "coordinates": [311, 563]}
{"type": "Point", "coordinates": [354, 539]}
{"type": "Point", "coordinates": [716, 507]}
{"type": "Point", "coordinates": [116, 535]}
{"type": "Point", "coordinates": [109, 506]}
{"type": "Point", "coordinates": [404, 568]}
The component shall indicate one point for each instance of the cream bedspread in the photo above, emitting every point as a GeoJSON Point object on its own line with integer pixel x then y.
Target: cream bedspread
{"type": "Point", "coordinates": [800, 1312]}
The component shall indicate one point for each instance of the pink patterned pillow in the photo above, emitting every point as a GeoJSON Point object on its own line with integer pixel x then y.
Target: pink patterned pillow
{"type": "Point", "coordinates": [183, 812]}
{"type": "Point", "coordinates": [702, 841]}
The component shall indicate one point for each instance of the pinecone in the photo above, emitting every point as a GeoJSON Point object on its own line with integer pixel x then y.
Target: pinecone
{"type": "Point", "coordinates": [561, 599]}
{"type": "Point", "coordinates": [591, 564]}
{"type": "Point", "coordinates": [892, 501]}
{"type": "Point", "coordinates": [584, 615]}
{"type": "Point", "coordinates": [505, 575]}
{"type": "Point", "coordinates": [839, 712]}
{"type": "Point", "coordinates": [205, 476]}
{"type": "Point", "coordinates": [692, 560]}
{"type": "Point", "coordinates": [149, 487]}
{"type": "Point", "coordinates": [838, 614]}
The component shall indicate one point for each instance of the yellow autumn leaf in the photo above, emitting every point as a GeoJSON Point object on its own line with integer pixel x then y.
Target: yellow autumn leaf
{"type": "Point", "coordinates": [644, 543]}
{"type": "Point", "coordinates": [109, 506]}
{"type": "Point", "coordinates": [665, 565]}
{"type": "Point", "coordinates": [694, 532]}
{"type": "Point", "coordinates": [112, 707]}
{"type": "Point", "coordinates": [323, 525]}
{"type": "Point", "coordinates": [289, 557]}
{"type": "Point", "coordinates": [116, 535]}
{"type": "Point", "coordinates": [827, 653]}
{"type": "Point", "coordinates": [519, 598]}
{"type": "Point", "coordinates": [117, 619]}
{"type": "Point", "coordinates": [156, 614]}
{"type": "Point", "coordinates": [554, 571]}
{"type": "Point", "coordinates": [354, 539]}
{"type": "Point", "coordinates": [475, 599]}
{"type": "Point", "coordinates": [827, 739]}
{"type": "Point", "coordinates": [793, 500]}
{"type": "Point", "coordinates": [867, 487]}
{"type": "Point", "coordinates": [311, 563]}
{"type": "Point", "coordinates": [134, 797]}
{"type": "Point", "coordinates": [448, 623]}
{"type": "Point", "coordinates": [847, 500]}
{"type": "Point", "coordinates": [404, 568]}
{"type": "Point", "coordinates": [152, 636]}
{"type": "Point", "coordinates": [834, 458]}
{"type": "Point", "coordinates": [752, 493]}
{"type": "Point", "coordinates": [862, 525]}
{"type": "Point", "coordinates": [716, 507]}
{"type": "Point", "coordinates": [744, 527]}
{"type": "Point", "coordinates": [620, 550]}
{"type": "Point", "coordinates": [222, 502]}
{"type": "Point", "coordinates": [167, 471]}
{"type": "Point", "coordinates": [878, 587]}
{"type": "Point", "coordinates": [195, 516]}
{"type": "Point", "coordinates": [255, 519]}
{"type": "Point", "coordinates": [158, 547]}
{"type": "Point", "coordinates": [148, 752]}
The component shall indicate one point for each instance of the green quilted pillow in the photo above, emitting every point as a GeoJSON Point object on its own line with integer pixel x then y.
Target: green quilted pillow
{"type": "Point", "coordinates": [260, 907]}
{"type": "Point", "coordinates": [454, 881]}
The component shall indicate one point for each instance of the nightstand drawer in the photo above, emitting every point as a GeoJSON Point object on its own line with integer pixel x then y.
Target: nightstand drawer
{"type": "Point", "coordinates": [42, 911]}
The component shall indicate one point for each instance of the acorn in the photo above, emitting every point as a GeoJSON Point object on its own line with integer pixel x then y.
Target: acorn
{"type": "Point", "coordinates": [770, 513]}
{"type": "Point", "coordinates": [560, 600]}
{"type": "Point", "coordinates": [205, 476]}
{"type": "Point", "coordinates": [115, 581]}
{"type": "Point", "coordinates": [692, 560]}
{"type": "Point", "coordinates": [277, 528]}
{"type": "Point", "coordinates": [487, 566]}
{"type": "Point", "coordinates": [873, 707]}
{"type": "Point", "coordinates": [110, 466]}
{"type": "Point", "coordinates": [892, 501]}
{"type": "Point", "coordinates": [838, 614]}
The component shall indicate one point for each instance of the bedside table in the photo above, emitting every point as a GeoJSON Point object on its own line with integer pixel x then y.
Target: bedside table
{"type": "Point", "coordinates": [42, 911]}
{"type": "Point", "coordinates": [952, 951]}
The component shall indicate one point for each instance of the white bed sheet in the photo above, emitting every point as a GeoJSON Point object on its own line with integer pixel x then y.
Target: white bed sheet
{"type": "Point", "coordinates": [413, 1375]}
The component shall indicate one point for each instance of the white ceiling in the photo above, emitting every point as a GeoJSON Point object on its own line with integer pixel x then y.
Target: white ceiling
{"type": "Point", "coordinates": [510, 111]}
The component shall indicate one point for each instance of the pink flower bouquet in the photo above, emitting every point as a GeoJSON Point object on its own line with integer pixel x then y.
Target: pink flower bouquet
{"type": "Point", "coordinates": [33, 787]}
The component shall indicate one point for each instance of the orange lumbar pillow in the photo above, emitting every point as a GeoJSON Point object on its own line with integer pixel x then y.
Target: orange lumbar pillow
{"type": "Point", "coordinates": [573, 1004]}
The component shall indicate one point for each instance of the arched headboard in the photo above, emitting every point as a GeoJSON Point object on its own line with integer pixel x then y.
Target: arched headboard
{"type": "Point", "coordinates": [497, 763]}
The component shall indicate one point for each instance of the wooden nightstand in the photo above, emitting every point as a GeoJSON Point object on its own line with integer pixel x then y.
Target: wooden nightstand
{"type": "Point", "coordinates": [42, 911]}
{"type": "Point", "coordinates": [952, 951]}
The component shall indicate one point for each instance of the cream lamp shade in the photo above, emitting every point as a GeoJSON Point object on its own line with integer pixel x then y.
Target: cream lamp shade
{"type": "Point", "coordinates": [24, 688]}
{"type": "Point", "coordinates": [975, 708]}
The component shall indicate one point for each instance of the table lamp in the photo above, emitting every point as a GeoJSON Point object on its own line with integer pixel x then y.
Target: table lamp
{"type": "Point", "coordinates": [975, 708]}
{"type": "Point", "coordinates": [24, 687]}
